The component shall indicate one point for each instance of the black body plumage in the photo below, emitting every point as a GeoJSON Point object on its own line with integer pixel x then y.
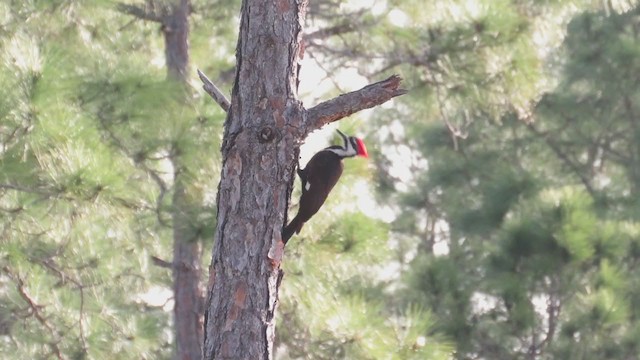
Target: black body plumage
{"type": "Point", "coordinates": [318, 179]}
{"type": "Point", "coordinates": [320, 176]}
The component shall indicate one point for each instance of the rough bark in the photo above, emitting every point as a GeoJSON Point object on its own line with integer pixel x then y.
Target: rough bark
{"type": "Point", "coordinates": [350, 103]}
{"type": "Point", "coordinates": [258, 163]}
{"type": "Point", "coordinates": [264, 127]}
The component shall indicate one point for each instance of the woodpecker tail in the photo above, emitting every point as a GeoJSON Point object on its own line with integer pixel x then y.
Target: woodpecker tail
{"type": "Point", "coordinates": [294, 227]}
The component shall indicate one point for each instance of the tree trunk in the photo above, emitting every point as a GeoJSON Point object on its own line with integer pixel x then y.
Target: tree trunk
{"type": "Point", "coordinates": [187, 249]}
{"type": "Point", "coordinates": [187, 294]}
{"type": "Point", "coordinates": [253, 194]}
{"type": "Point", "coordinates": [264, 127]}
{"type": "Point", "coordinates": [175, 27]}
{"type": "Point", "coordinates": [187, 199]}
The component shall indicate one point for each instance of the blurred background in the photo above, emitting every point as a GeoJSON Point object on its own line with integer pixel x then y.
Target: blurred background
{"type": "Point", "coordinates": [498, 216]}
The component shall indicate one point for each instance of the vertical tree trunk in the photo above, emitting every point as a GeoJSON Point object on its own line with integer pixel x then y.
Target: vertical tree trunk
{"type": "Point", "coordinates": [258, 162]}
{"type": "Point", "coordinates": [264, 126]}
{"type": "Point", "coordinates": [187, 294]}
{"type": "Point", "coordinates": [175, 27]}
{"type": "Point", "coordinates": [186, 200]}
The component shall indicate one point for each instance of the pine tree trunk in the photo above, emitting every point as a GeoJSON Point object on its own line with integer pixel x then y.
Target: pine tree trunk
{"type": "Point", "coordinates": [258, 162]}
{"type": "Point", "coordinates": [187, 248]}
{"type": "Point", "coordinates": [264, 127]}
{"type": "Point", "coordinates": [187, 294]}
{"type": "Point", "coordinates": [175, 27]}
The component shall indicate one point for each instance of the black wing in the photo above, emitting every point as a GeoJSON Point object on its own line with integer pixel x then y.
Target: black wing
{"type": "Point", "coordinates": [303, 179]}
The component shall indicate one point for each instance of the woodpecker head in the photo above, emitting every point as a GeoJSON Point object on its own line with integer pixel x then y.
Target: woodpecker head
{"type": "Point", "coordinates": [352, 146]}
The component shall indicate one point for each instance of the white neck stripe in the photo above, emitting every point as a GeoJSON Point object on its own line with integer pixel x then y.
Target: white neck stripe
{"type": "Point", "coordinates": [344, 152]}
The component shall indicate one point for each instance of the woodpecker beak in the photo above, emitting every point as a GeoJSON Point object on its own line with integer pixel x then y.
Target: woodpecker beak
{"type": "Point", "coordinates": [343, 136]}
{"type": "Point", "coordinates": [362, 150]}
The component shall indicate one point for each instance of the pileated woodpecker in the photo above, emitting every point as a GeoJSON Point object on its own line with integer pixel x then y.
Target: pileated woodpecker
{"type": "Point", "coordinates": [318, 178]}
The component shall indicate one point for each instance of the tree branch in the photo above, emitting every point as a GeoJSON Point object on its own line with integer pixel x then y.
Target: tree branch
{"type": "Point", "coordinates": [330, 31]}
{"type": "Point", "coordinates": [34, 309]}
{"type": "Point", "coordinates": [565, 159]}
{"type": "Point", "coordinates": [161, 263]}
{"type": "Point", "coordinates": [350, 103]}
{"type": "Point", "coordinates": [63, 277]}
{"type": "Point", "coordinates": [214, 92]}
{"type": "Point", "coordinates": [139, 12]}
{"type": "Point", "coordinates": [26, 189]}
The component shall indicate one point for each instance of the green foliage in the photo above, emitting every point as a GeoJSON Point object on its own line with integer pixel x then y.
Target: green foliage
{"type": "Point", "coordinates": [527, 175]}
{"type": "Point", "coordinates": [334, 302]}
{"type": "Point", "coordinates": [89, 126]}
{"type": "Point", "coordinates": [516, 228]}
{"type": "Point", "coordinates": [92, 139]}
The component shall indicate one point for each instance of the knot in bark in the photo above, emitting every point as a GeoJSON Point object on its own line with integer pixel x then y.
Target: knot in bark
{"type": "Point", "coordinates": [266, 134]}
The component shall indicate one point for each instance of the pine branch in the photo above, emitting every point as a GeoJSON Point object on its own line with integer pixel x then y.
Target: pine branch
{"type": "Point", "coordinates": [117, 142]}
{"type": "Point", "coordinates": [35, 310]}
{"type": "Point", "coordinates": [353, 23]}
{"type": "Point", "coordinates": [575, 168]}
{"type": "Point", "coordinates": [29, 190]}
{"type": "Point", "coordinates": [350, 103]}
{"type": "Point", "coordinates": [214, 92]}
{"type": "Point", "coordinates": [161, 263]}
{"type": "Point", "coordinates": [331, 31]}
{"type": "Point", "coordinates": [63, 277]}
{"type": "Point", "coordinates": [139, 12]}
